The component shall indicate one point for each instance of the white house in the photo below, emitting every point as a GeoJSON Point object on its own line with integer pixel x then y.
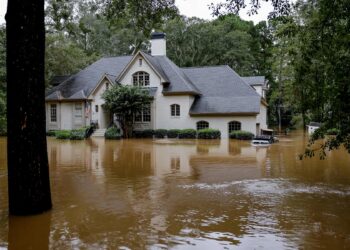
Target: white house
{"type": "Point", "coordinates": [198, 97]}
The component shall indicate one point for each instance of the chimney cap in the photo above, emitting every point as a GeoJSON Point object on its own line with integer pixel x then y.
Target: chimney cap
{"type": "Point", "coordinates": [158, 35]}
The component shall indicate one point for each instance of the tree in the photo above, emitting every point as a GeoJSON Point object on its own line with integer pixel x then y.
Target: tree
{"type": "Point", "coordinates": [280, 7]}
{"type": "Point", "coordinates": [28, 172]}
{"type": "Point", "coordinates": [324, 62]}
{"type": "Point", "coordinates": [140, 17]}
{"type": "Point", "coordinates": [126, 102]}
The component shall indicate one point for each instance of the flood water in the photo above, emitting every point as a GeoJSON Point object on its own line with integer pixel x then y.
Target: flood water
{"type": "Point", "coordinates": [185, 194]}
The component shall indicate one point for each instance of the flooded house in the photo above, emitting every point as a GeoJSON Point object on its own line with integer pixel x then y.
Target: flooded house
{"type": "Point", "coordinates": [198, 97]}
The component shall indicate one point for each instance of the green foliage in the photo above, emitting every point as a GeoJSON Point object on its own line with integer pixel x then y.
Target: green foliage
{"type": "Point", "coordinates": [173, 133]}
{"type": "Point", "coordinates": [140, 17]}
{"type": "Point", "coordinates": [160, 133]}
{"type": "Point", "coordinates": [3, 123]}
{"type": "Point", "coordinates": [63, 134]}
{"type": "Point", "coordinates": [209, 133]}
{"type": "Point", "coordinates": [51, 133]}
{"type": "Point", "coordinates": [125, 101]}
{"type": "Point", "coordinates": [147, 133]}
{"type": "Point", "coordinates": [113, 133]}
{"type": "Point", "coordinates": [187, 134]}
{"type": "Point", "coordinates": [227, 40]}
{"type": "Point", "coordinates": [78, 134]}
{"type": "Point", "coordinates": [241, 135]}
{"type": "Point", "coordinates": [332, 131]}
{"type": "Point", "coordinates": [64, 57]}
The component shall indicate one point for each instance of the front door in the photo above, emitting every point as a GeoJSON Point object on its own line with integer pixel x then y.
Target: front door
{"type": "Point", "coordinates": [104, 118]}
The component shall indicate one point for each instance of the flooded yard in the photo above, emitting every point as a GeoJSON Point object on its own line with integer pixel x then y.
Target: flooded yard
{"type": "Point", "coordinates": [185, 194]}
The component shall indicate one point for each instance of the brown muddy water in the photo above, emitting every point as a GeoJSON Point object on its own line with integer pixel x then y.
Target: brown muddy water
{"type": "Point", "coordinates": [162, 194]}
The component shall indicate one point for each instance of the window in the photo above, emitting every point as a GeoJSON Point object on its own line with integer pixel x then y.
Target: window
{"type": "Point", "coordinates": [78, 111]}
{"type": "Point", "coordinates": [96, 108]}
{"type": "Point", "coordinates": [140, 79]}
{"type": "Point", "coordinates": [175, 110]}
{"type": "Point", "coordinates": [140, 62]}
{"type": "Point", "coordinates": [233, 126]}
{"type": "Point", "coordinates": [144, 115]}
{"type": "Point", "coordinates": [107, 86]}
{"type": "Point", "coordinates": [202, 125]}
{"type": "Point", "coordinates": [53, 112]}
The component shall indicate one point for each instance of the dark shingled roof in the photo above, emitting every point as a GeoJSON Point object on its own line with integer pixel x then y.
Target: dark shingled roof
{"type": "Point", "coordinates": [56, 80]}
{"type": "Point", "coordinates": [254, 80]}
{"type": "Point", "coordinates": [218, 89]}
{"type": "Point", "coordinates": [179, 82]}
{"type": "Point", "coordinates": [223, 92]}
{"type": "Point", "coordinates": [87, 79]}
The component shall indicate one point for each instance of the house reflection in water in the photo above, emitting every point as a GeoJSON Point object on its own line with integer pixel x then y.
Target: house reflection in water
{"type": "Point", "coordinates": [136, 158]}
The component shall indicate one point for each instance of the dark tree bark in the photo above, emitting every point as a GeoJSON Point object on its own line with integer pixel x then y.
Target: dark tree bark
{"type": "Point", "coordinates": [28, 172]}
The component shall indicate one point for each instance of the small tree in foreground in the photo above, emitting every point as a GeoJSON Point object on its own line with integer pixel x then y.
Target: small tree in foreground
{"type": "Point", "coordinates": [126, 102]}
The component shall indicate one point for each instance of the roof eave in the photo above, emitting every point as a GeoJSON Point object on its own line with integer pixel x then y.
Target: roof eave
{"type": "Point", "coordinates": [224, 114]}
{"type": "Point", "coordinates": [171, 93]}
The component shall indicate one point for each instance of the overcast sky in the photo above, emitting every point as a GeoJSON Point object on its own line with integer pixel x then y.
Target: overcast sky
{"type": "Point", "coordinates": [198, 8]}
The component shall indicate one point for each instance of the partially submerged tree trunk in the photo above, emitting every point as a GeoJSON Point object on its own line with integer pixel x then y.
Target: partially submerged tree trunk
{"type": "Point", "coordinates": [28, 172]}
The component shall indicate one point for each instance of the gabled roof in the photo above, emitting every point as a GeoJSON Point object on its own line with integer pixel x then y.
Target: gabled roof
{"type": "Point", "coordinates": [254, 80]}
{"type": "Point", "coordinates": [223, 92]}
{"type": "Point", "coordinates": [87, 79]}
{"type": "Point", "coordinates": [178, 80]}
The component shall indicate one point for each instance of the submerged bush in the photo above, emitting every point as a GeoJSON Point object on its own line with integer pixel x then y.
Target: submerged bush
{"type": "Point", "coordinates": [63, 134]}
{"type": "Point", "coordinates": [160, 133]}
{"type": "Point", "coordinates": [78, 134]}
{"type": "Point", "coordinates": [113, 133]}
{"type": "Point", "coordinates": [187, 133]}
{"type": "Point", "coordinates": [209, 133]}
{"type": "Point", "coordinates": [173, 133]}
{"type": "Point", "coordinates": [51, 133]}
{"type": "Point", "coordinates": [148, 133]}
{"type": "Point", "coordinates": [241, 135]}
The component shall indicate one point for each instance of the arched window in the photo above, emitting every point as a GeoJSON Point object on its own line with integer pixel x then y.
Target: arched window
{"type": "Point", "coordinates": [140, 79]}
{"type": "Point", "coordinates": [175, 110]}
{"type": "Point", "coordinates": [233, 126]}
{"type": "Point", "coordinates": [202, 125]}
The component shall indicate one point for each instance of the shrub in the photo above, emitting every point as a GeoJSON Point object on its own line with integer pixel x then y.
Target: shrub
{"type": "Point", "coordinates": [209, 134]}
{"type": "Point", "coordinates": [63, 134]}
{"type": "Point", "coordinates": [51, 133]}
{"type": "Point", "coordinates": [187, 134]}
{"type": "Point", "coordinates": [241, 135]}
{"type": "Point", "coordinates": [113, 133]}
{"type": "Point", "coordinates": [148, 133]}
{"type": "Point", "coordinates": [160, 133]}
{"type": "Point", "coordinates": [78, 134]}
{"type": "Point", "coordinates": [332, 131]}
{"type": "Point", "coordinates": [173, 133]}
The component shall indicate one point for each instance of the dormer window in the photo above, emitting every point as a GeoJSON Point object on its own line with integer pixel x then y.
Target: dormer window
{"type": "Point", "coordinates": [140, 79]}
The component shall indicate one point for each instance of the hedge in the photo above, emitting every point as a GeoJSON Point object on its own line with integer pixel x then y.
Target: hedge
{"type": "Point", "coordinates": [209, 133]}
{"type": "Point", "coordinates": [147, 133]}
{"type": "Point", "coordinates": [160, 133]}
{"type": "Point", "coordinates": [51, 133]}
{"type": "Point", "coordinates": [188, 134]}
{"type": "Point", "coordinates": [78, 134]}
{"type": "Point", "coordinates": [241, 135]}
{"type": "Point", "coordinates": [63, 134]}
{"type": "Point", "coordinates": [173, 133]}
{"type": "Point", "coordinates": [113, 133]}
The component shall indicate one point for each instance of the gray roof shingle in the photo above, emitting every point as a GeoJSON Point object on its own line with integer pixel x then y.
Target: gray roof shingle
{"type": "Point", "coordinates": [223, 91]}
{"type": "Point", "coordinates": [254, 80]}
{"type": "Point", "coordinates": [87, 79]}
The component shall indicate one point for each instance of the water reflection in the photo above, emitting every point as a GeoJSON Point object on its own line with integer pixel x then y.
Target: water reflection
{"type": "Point", "coordinates": [186, 194]}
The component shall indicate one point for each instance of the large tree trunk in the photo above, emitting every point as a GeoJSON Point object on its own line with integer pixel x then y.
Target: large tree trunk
{"type": "Point", "coordinates": [28, 172]}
